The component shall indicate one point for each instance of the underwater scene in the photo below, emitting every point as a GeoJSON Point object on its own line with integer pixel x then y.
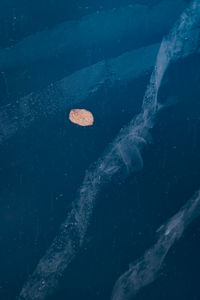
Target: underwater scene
{"type": "Point", "coordinates": [99, 150]}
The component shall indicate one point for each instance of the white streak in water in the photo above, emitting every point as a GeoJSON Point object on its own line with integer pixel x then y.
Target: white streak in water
{"type": "Point", "coordinates": [130, 141]}
{"type": "Point", "coordinates": [145, 270]}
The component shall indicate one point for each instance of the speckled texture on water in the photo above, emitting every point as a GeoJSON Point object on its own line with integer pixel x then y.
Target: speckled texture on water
{"type": "Point", "coordinates": [94, 55]}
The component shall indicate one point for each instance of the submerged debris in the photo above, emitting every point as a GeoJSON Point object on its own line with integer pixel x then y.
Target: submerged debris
{"type": "Point", "coordinates": [81, 117]}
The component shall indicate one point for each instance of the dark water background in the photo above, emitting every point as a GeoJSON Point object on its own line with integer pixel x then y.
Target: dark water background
{"type": "Point", "coordinates": [41, 169]}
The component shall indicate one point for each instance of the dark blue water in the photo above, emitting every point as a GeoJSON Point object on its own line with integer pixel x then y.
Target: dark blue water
{"type": "Point", "coordinates": [42, 167]}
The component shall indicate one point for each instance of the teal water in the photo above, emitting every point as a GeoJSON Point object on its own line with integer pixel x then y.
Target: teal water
{"type": "Point", "coordinates": [43, 166]}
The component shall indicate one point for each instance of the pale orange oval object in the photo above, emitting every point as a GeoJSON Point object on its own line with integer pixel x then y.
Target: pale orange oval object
{"type": "Point", "coordinates": [81, 117]}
